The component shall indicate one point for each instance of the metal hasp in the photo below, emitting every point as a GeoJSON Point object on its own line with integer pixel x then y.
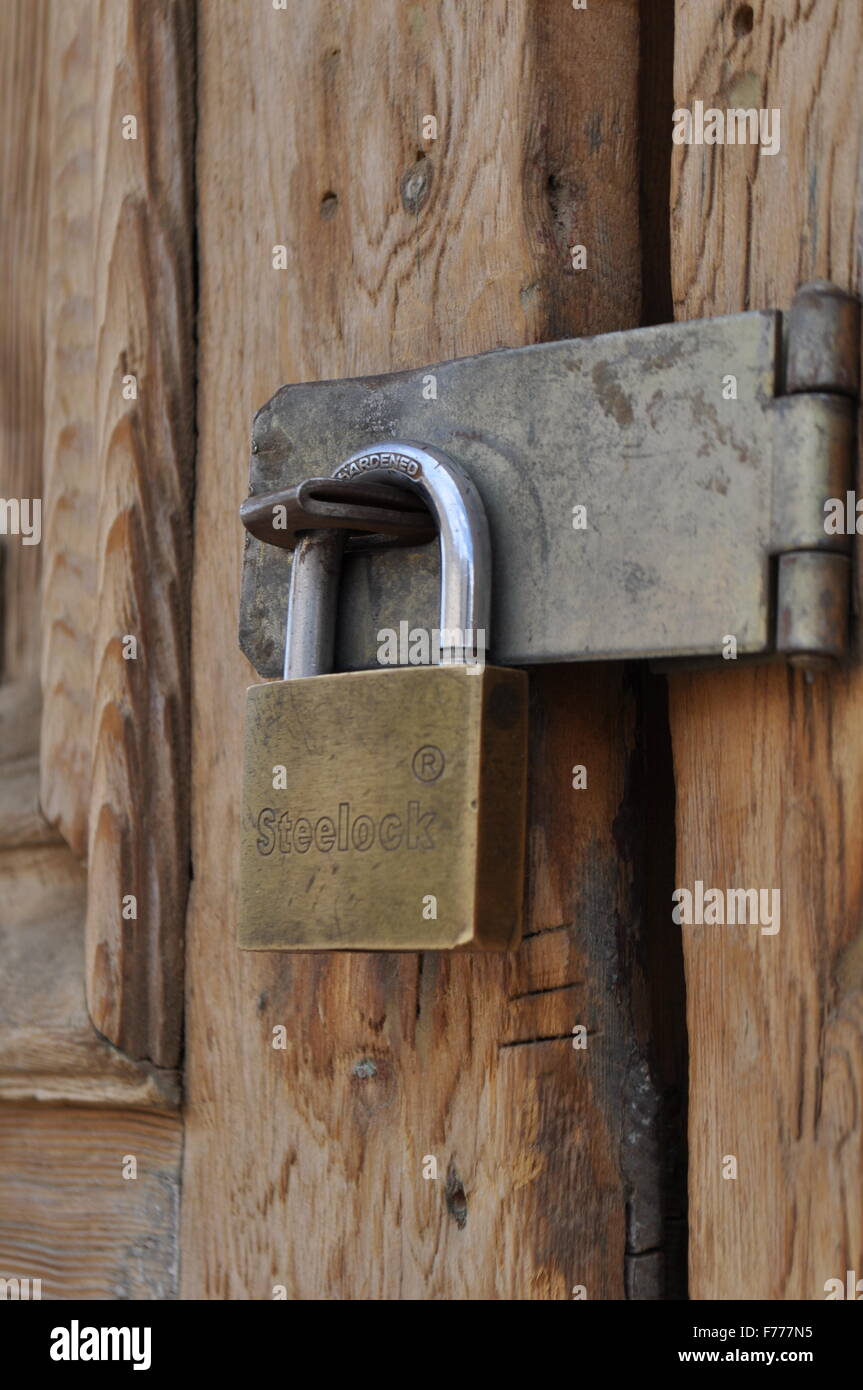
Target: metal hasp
{"type": "Point", "coordinates": [650, 493]}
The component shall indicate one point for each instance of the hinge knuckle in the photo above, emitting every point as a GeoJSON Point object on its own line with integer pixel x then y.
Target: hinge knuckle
{"type": "Point", "coordinates": [823, 347]}
{"type": "Point", "coordinates": [813, 465]}
{"type": "Point", "coordinates": [812, 607]}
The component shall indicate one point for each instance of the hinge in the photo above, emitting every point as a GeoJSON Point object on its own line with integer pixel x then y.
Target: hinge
{"type": "Point", "coordinates": [650, 494]}
{"type": "Point", "coordinates": [814, 463]}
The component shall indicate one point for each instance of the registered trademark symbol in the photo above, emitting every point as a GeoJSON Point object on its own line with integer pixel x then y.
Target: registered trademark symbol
{"type": "Point", "coordinates": [428, 763]}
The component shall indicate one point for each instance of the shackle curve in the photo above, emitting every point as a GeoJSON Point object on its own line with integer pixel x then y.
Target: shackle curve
{"type": "Point", "coordinates": [465, 559]}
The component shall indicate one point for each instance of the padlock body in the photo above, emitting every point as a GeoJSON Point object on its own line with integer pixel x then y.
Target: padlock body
{"type": "Point", "coordinates": [385, 810]}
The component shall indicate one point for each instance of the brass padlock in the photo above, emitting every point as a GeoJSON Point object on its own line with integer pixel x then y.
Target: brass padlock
{"type": "Point", "coordinates": [385, 810]}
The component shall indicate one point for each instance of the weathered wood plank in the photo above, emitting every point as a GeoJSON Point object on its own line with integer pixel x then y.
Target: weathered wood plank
{"type": "Point", "coordinates": [23, 231]}
{"type": "Point", "coordinates": [21, 819]}
{"type": "Point", "coordinates": [768, 765]}
{"type": "Point", "coordinates": [49, 1049]}
{"type": "Point", "coordinates": [118, 470]}
{"type": "Point", "coordinates": [304, 1166]}
{"type": "Point", "coordinates": [70, 1217]}
{"type": "Point", "coordinates": [70, 466]}
{"type": "Point", "coordinates": [67, 1216]}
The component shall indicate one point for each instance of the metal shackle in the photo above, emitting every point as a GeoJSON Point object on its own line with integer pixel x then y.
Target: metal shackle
{"type": "Point", "coordinates": [465, 558]}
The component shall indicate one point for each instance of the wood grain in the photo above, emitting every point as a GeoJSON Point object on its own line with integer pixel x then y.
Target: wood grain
{"type": "Point", "coordinates": [118, 495]}
{"type": "Point", "coordinates": [23, 231]}
{"type": "Point", "coordinates": [21, 821]}
{"type": "Point", "coordinates": [303, 1166]}
{"type": "Point", "coordinates": [768, 765]}
{"type": "Point", "coordinates": [66, 1215]}
{"type": "Point", "coordinates": [70, 1217]}
{"type": "Point", "coordinates": [49, 1049]}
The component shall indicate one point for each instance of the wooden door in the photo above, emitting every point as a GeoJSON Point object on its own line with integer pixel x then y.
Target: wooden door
{"type": "Point", "coordinates": [202, 202]}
